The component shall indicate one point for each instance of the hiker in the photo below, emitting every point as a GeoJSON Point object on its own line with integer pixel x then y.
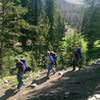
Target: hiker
{"type": "Point", "coordinates": [76, 58]}
{"type": "Point", "coordinates": [50, 62]}
{"type": "Point", "coordinates": [80, 55]}
{"type": "Point", "coordinates": [54, 55]}
{"type": "Point", "coordinates": [20, 74]}
{"type": "Point", "coordinates": [78, 49]}
{"type": "Point", "coordinates": [27, 68]}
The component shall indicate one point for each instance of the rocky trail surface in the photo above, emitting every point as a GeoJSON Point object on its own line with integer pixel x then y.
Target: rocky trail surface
{"type": "Point", "coordinates": [64, 85]}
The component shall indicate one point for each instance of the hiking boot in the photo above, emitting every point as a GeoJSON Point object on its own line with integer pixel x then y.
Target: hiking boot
{"type": "Point", "coordinates": [79, 68]}
{"type": "Point", "coordinates": [47, 77]}
{"type": "Point", "coordinates": [73, 69]}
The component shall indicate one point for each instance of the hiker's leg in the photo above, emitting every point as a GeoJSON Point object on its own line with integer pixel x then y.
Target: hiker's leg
{"type": "Point", "coordinates": [49, 69]}
{"type": "Point", "coordinates": [55, 64]}
{"type": "Point", "coordinates": [20, 80]}
{"type": "Point", "coordinates": [80, 64]}
{"type": "Point", "coordinates": [80, 67]}
{"type": "Point", "coordinates": [53, 69]}
{"type": "Point", "coordinates": [74, 65]}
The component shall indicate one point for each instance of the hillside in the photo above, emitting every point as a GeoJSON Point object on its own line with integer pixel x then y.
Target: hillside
{"type": "Point", "coordinates": [73, 13]}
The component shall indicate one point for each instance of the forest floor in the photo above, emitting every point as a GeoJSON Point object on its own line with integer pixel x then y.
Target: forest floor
{"type": "Point", "coordinates": [64, 85]}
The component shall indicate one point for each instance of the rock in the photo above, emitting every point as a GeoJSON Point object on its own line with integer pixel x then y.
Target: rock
{"type": "Point", "coordinates": [92, 98]}
{"type": "Point", "coordinates": [97, 96]}
{"type": "Point", "coordinates": [34, 85]}
{"type": "Point", "coordinates": [96, 61]}
{"type": "Point", "coordinates": [60, 73]}
{"type": "Point", "coordinates": [6, 82]}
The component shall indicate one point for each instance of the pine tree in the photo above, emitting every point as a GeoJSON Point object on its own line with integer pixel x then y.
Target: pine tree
{"type": "Point", "coordinates": [11, 22]}
{"type": "Point", "coordinates": [91, 24]}
{"type": "Point", "coordinates": [56, 22]}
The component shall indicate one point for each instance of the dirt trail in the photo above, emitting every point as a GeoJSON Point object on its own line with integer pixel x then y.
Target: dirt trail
{"type": "Point", "coordinates": [68, 85]}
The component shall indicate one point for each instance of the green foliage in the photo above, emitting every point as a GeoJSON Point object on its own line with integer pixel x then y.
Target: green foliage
{"type": "Point", "coordinates": [91, 26]}
{"type": "Point", "coordinates": [10, 16]}
{"type": "Point", "coordinates": [29, 28]}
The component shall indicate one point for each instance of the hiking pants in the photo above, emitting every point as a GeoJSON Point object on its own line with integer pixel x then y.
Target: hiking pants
{"type": "Point", "coordinates": [76, 62]}
{"type": "Point", "coordinates": [20, 80]}
{"type": "Point", "coordinates": [50, 67]}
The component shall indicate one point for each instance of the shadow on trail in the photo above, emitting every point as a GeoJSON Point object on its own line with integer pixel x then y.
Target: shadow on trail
{"type": "Point", "coordinates": [82, 85]}
{"type": "Point", "coordinates": [78, 85]}
{"type": "Point", "coordinates": [8, 93]}
{"type": "Point", "coordinates": [39, 80]}
{"type": "Point", "coordinates": [42, 79]}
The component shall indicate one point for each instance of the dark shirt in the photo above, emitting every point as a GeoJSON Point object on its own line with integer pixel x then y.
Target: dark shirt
{"type": "Point", "coordinates": [76, 55]}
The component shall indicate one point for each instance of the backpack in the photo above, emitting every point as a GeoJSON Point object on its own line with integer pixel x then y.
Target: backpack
{"type": "Point", "coordinates": [27, 69]}
{"type": "Point", "coordinates": [79, 52]}
{"type": "Point", "coordinates": [54, 57]}
{"type": "Point", "coordinates": [50, 59]}
{"type": "Point", "coordinates": [20, 66]}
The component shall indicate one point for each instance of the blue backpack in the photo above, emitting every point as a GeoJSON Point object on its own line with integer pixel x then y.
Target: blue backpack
{"type": "Point", "coordinates": [54, 57]}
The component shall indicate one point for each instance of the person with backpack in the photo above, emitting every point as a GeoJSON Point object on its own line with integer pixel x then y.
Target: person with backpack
{"type": "Point", "coordinates": [79, 51]}
{"type": "Point", "coordinates": [27, 69]}
{"type": "Point", "coordinates": [54, 55]}
{"type": "Point", "coordinates": [80, 55]}
{"type": "Point", "coordinates": [76, 58]}
{"type": "Point", "coordinates": [50, 63]}
{"type": "Point", "coordinates": [20, 73]}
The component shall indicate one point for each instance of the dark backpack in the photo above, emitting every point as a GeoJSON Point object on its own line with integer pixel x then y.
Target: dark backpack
{"type": "Point", "coordinates": [20, 66]}
{"type": "Point", "coordinates": [54, 56]}
{"type": "Point", "coordinates": [79, 52]}
{"type": "Point", "coordinates": [27, 69]}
